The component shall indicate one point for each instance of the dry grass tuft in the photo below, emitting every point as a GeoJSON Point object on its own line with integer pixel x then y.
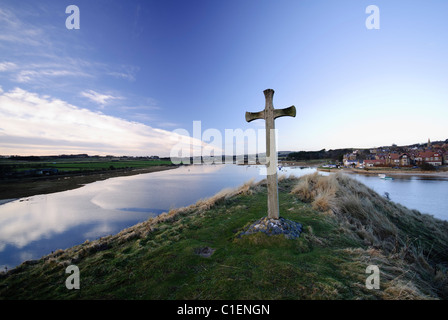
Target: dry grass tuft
{"type": "Point", "coordinates": [410, 248]}
{"type": "Point", "coordinates": [223, 195]}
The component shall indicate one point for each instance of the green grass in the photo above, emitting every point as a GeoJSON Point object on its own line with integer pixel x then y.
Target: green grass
{"type": "Point", "coordinates": [157, 259]}
{"type": "Point", "coordinates": [107, 164]}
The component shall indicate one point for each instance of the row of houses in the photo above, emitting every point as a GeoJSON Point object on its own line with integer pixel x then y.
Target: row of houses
{"type": "Point", "coordinates": [398, 159]}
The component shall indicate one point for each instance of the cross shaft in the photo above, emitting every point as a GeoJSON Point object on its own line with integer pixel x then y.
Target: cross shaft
{"type": "Point", "coordinates": [269, 114]}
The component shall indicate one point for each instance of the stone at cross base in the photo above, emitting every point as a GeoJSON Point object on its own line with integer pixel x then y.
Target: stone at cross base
{"type": "Point", "coordinates": [269, 114]}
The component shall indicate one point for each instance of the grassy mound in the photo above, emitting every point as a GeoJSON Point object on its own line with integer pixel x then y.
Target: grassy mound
{"type": "Point", "coordinates": [194, 252]}
{"type": "Point", "coordinates": [409, 247]}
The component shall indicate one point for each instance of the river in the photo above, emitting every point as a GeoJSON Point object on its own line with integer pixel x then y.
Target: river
{"type": "Point", "coordinates": [35, 226]}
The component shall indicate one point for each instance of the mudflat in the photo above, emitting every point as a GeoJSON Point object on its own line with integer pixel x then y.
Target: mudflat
{"type": "Point", "coordinates": [20, 188]}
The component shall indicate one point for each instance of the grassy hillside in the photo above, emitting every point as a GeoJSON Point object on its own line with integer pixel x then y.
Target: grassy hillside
{"type": "Point", "coordinates": [195, 252]}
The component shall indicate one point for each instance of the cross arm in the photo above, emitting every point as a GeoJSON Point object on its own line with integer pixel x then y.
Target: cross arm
{"type": "Point", "coordinates": [251, 116]}
{"type": "Point", "coordinates": [287, 112]}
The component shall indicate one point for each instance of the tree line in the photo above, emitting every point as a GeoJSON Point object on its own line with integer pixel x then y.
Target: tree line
{"type": "Point", "coordinates": [336, 155]}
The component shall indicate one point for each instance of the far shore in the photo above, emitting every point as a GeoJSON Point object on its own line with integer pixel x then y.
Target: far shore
{"type": "Point", "coordinates": [389, 172]}
{"type": "Point", "coordinates": [369, 171]}
{"type": "Point", "coordinates": [15, 189]}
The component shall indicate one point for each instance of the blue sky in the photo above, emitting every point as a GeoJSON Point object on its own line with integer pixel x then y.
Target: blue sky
{"type": "Point", "coordinates": [137, 70]}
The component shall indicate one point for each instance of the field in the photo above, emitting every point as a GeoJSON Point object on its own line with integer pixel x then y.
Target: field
{"type": "Point", "coordinates": [94, 164]}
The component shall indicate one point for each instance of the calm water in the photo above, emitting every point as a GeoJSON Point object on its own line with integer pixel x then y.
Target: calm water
{"type": "Point", "coordinates": [427, 195]}
{"type": "Point", "coordinates": [34, 226]}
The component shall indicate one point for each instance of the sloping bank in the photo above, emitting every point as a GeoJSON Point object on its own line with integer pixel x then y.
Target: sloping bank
{"type": "Point", "coordinates": [196, 253]}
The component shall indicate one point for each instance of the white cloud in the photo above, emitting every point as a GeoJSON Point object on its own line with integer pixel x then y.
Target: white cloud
{"type": "Point", "coordinates": [25, 76]}
{"type": "Point", "coordinates": [101, 99]}
{"type": "Point", "coordinates": [7, 66]}
{"type": "Point", "coordinates": [40, 125]}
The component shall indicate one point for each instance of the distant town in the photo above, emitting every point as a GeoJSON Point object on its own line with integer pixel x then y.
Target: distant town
{"type": "Point", "coordinates": [426, 156]}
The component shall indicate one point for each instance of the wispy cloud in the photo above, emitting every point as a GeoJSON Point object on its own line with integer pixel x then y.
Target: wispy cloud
{"type": "Point", "coordinates": [33, 124]}
{"type": "Point", "coordinates": [125, 72]}
{"type": "Point", "coordinates": [121, 75]}
{"type": "Point", "coordinates": [53, 69]}
{"type": "Point", "coordinates": [18, 31]}
{"type": "Point", "coordinates": [7, 66]}
{"type": "Point", "coordinates": [168, 124]}
{"type": "Point", "coordinates": [37, 55]}
{"type": "Point", "coordinates": [8, 18]}
{"type": "Point", "coordinates": [101, 99]}
{"type": "Point", "coordinates": [140, 108]}
{"type": "Point", "coordinates": [24, 76]}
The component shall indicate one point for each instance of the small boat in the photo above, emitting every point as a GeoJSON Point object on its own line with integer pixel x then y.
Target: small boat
{"type": "Point", "coordinates": [383, 176]}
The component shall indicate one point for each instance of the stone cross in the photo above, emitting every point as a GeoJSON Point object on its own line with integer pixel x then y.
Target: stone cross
{"type": "Point", "coordinates": [269, 114]}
